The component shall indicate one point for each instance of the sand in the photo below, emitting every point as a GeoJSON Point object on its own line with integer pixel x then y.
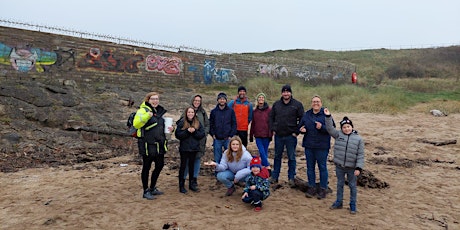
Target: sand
{"type": "Point", "coordinates": [424, 191]}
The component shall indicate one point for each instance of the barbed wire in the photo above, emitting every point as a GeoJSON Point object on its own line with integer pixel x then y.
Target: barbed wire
{"type": "Point", "coordinates": [104, 37]}
{"type": "Point", "coordinates": [172, 48]}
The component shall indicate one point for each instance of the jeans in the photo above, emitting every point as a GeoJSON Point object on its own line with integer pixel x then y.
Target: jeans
{"type": "Point", "coordinates": [290, 142]}
{"type": "Point", "coordinates": [218, 146]}
{"type": "Point", "coordinates": [340, 173]}
{"type": "Point", "coordinates": [196, 167]}
{"type": "Point", "coordinates": [262, 144]}
{"type": "Point", "coordinates": [226, 177]}
{"type": "Point", "coordinates": [319, 156]}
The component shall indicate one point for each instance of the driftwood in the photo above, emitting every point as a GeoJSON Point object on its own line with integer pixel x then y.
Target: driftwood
{"type": "Point", "coordinates": [437, 143]}
{"type": "Point", "coordinates": [303, 185]}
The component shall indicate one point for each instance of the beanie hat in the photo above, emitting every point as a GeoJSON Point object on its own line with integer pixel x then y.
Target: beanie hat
{"type": "Point", "coordinates": [222, 94]}
{"type": "Point", "coordinates": [261, 94]}
{"type": "Point", "coordinates": [241, 88]}
{"type": "Point", "coordinates": [286, 88]}
{"type": "Point", "coordinates": [345, 120]}
{"type": "Point", "coordinates": [255, 162]}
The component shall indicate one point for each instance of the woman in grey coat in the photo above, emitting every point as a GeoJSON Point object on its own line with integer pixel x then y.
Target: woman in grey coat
{"type": "Point", "coordinates": [348, 158]}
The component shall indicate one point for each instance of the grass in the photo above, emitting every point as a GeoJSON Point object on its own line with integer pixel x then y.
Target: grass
{"type": "Point", "coordinates": [394, 96]}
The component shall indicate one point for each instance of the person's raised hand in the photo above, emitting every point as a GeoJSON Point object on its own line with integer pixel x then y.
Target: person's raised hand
{"type": "Point", "coordinates": [327, 112]}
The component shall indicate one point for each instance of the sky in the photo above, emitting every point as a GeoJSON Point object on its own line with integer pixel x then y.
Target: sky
{"type": "Point", "coordinates": [245, 26]}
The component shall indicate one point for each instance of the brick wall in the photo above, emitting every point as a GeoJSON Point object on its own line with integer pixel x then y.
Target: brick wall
{"type": "Point", "coordinates": [25, 53]}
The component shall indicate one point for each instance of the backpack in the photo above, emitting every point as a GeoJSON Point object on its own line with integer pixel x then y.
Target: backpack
{"type": "Point", "coordinates": [130, 124]}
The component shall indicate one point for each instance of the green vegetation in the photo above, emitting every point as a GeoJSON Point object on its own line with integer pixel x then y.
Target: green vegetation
{"type": "Point", "coordinates": [389, 81]}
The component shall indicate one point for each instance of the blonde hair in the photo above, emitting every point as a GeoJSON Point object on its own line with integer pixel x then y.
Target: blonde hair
{"type": "Point", "coordinates": [148, 95]}
{"type": "Point", "coordinates": [195, 122]}
{"type": "Point", "coordinates": [239, 152]}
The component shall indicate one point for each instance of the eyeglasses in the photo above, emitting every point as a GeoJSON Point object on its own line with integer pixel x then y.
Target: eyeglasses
{"type": "Point", "coordinates": [154, 98]}
{"type": "Point", "coordinates": [316, 102]}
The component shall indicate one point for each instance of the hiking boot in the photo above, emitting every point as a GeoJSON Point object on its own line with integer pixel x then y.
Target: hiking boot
{"type": "Point", "coordinates": [273, 180]}
{"type": "Point", "coordinates": [311, 192]}
{"type": "Point", "coordinates": [192, 186]}
{"type": "Point", "coordinates": [155, 191]}
{"type": "Point", "coordinates": [182, 186]}
{"type": "Point", "coordinates": [182, 189]}
{"type": "Point", "coordinates": [148, 195]}
{"type": "Point", "coordinates": [336, 205]}
{"type": "Point", "coordinates": [230, 191]}
{"type": "Point", "coordinates": [291, 183]}
{"type": "Point", "coordinates": [353, 209]}
{"type": "Point", "coordinates": [321, 194]}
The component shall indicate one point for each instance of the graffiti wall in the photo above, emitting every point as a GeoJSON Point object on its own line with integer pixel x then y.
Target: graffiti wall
{"type": "Point", "coordinates": [70, 55]}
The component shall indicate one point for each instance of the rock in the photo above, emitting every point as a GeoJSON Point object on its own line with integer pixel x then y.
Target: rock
{"type": "Point", "coordinates": [437, 113]}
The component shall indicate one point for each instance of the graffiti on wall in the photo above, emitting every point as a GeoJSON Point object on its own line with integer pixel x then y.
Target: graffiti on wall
{"type": "Point", "coordinates": [25, 59]}
{"type": "Point", "coordinates": [326, 72]}
{"type": "Point", "coordinates": [219, 75]}
{"type": "Point", "coordinates": [166, 65]}
{"type": "Point", "coordinates": [107, 61]}
{"type": "Point", "coordinates": [65, 59]}
{"type": "Point", "coordinates": [273, 70]}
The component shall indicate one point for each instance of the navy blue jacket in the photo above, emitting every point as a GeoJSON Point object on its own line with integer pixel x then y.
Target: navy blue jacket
{"type": "Point", "coordinates": [222, 122]}
{"type": "Point", "coordinates": [315, 138]}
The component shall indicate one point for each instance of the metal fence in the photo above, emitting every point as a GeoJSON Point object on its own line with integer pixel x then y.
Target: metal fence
{"type": "Point", "coordinates": [103, 37]}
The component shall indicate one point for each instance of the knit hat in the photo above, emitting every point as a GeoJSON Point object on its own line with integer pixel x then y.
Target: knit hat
{"type": "Point", "coordinates": [222, 94]}
{"type": "Point", "coordinates": [286, 88]}
{"type": "Point", "coordinates": [345, 120]}
{"type": "Point", "coordinates": [261, 94]}
{"type": "Point", "coordinates": [241, 88]}
{"type": "Point", "coordinates": [255, 162]}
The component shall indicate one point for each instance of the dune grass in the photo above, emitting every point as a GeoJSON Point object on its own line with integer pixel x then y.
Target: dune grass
{"type": "Point", "coordinates": [394, 96]}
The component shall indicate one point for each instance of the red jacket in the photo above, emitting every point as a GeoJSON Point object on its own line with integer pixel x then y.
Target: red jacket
{"type": "Point", "coordinates": [260, 123]}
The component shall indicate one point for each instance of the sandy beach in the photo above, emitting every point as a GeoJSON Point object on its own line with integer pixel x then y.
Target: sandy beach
{"type": "Point", "coordinates": [423, 192]}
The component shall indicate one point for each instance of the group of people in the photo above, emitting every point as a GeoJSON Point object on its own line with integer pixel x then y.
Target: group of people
{"type": "Point", "coordinates": [229, 124]}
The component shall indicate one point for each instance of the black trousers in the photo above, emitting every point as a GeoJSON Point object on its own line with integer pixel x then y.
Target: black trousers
{"type": "Point", "coordinates": [184, 158]}
{"type": "Point", "coordinates": [147, 161]}
{"type": "Point", "coordinates": [244, 137]}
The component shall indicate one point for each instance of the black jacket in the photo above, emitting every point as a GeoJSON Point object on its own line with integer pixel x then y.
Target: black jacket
{"type": "Point", "coordinates": [189, 142]}
{"type": "Point", "coordinates": [285, 117]}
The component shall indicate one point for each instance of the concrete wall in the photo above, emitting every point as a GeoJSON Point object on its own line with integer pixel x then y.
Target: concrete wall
{"type": "Point", "coordinates": [25, 53]}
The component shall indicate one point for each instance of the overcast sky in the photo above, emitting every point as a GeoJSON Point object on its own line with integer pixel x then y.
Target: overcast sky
{"type": "Point", "coordinates": [238, 26]}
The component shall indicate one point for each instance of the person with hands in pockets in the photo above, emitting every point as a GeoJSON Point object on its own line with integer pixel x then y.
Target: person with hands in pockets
{"type": "Point", "coordinates": [348, 158]}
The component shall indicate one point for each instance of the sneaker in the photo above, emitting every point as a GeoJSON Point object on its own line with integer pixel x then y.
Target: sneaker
{"type": "Point", "coordinates": [148, 195]}
{"type": "Point", "coordinates": [336, 205]}
{"type": "Point", "coordinates": [230, 191]}
{"type": "Point", "coordinates": [155, 191]}
{"type": "Point", "coordinates": [311, 192]}
{"type": "Point", "coordinates": [353, 209]}
{"type": "Point", "coordinates": [273, 180]}
{"type": "Point", "coordinates": [257, 209]}
{"type": "Point", "coordinates": [321, 194]}
{"type": "Point", "coordinates": [291, 183]}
